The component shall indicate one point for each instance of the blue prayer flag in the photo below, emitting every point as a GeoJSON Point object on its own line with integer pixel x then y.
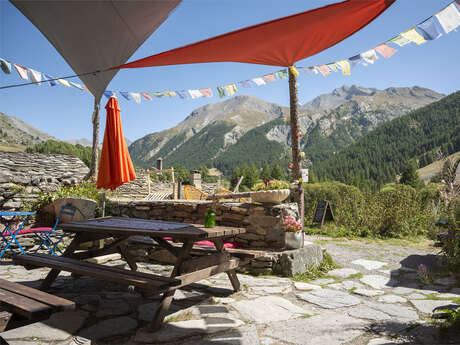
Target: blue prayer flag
{"type": "Point", "coordinates": [245, 83]}
{"type": "Point", "coordinates": [126, 95]}
{"type": "Point", "coordinates": [182, 94]}
{"type": "Point", "coordinates": [48, 78]}
{"type": "Point", "coordinates": [429, 29]}
{"type": "Point", "coordinates": [355, 60]}
{"type": "Point", "coordinates": [108, 94]}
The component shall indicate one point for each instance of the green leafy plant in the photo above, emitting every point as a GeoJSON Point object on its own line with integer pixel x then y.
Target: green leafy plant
{"type": "Point", "coordinates": [326, 265]}
{"type": "Point", "coordinates": [270, 185]}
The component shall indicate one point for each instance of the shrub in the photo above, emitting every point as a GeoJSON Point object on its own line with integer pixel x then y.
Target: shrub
{"type": "Point", "coordinates": [271, 185]}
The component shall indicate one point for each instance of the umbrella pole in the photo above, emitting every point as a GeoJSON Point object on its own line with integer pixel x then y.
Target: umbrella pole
{"type": "Point", "coordinates": [103, 203]}
{"type": "Point", "coordinates": [95, 149]}
{"type": "Point", "coordinates": [295, 144]}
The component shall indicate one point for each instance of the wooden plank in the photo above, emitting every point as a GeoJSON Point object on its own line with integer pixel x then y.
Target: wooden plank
{"type": "Point", "coordinates": [57, 303]}
{"type": "Point", "coordinates": [204, 261]}
{"type": "Point", "coordinates": [143, 280]}
{"type": "Point", "coordinates": [21, 305]}
{"type": "Point", "coordinates": [234, 280]}
{"type": "Point", "coordinates": [239, 252]}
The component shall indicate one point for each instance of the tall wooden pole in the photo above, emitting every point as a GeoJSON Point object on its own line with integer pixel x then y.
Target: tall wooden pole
{"type": "Point", "coordinates": [295, 144]}
{"type": "Point", "coordinates": [92, 174]}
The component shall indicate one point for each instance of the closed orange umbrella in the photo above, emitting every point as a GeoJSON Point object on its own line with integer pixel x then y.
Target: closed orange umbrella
{"type": "Point", "coordinates": [115, 167]}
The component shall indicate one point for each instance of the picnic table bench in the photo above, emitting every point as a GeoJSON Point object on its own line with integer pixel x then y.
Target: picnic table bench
{"type": "Point", "coordinates": [21, 305]}
{"type": "Point", "coordinates": [187, 268]}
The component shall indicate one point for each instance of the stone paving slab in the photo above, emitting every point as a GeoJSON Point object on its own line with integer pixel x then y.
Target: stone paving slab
{"type": "Point", "coordinates": [329, 299]}
{"type": "Point", "coordinates": [306, 287]}
{"type": "Point", "coordinates": [342, 272]}
{"type": "Point", "coordinates": [428, 306]}
{"type": "Point", "coordinates": [369, 264]}
{"type": "Point", "coordinates": [368, 293]}
{"type": "Point", "coordinates": [377, 281]}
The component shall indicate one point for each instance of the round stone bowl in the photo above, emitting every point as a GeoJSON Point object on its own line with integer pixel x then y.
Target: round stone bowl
{"type": "Point", "coordinates": [270, 196]}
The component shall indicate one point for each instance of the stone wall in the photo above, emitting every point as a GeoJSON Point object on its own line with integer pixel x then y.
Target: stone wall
{"type": "Point", "coordinates": [264, 224]}
{"type": "Point", "coordinates": [24, 175]}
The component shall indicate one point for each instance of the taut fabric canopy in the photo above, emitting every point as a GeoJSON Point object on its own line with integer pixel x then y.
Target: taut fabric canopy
{"type": "Point", "coordinates": [279, 42]}
{"type": "Point", "coordinates": [94, 35]}
{"type": "Point", "coordinates": [116, 167]}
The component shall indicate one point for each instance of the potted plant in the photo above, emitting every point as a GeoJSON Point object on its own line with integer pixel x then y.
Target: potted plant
{"type": "Point", "coordinates": [270, 191]}
{"type": "Point", "coordinates": [292, 233]}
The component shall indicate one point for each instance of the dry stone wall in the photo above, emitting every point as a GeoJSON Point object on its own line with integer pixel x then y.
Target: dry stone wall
{"type": "Point", "coordinates": [24, 175]}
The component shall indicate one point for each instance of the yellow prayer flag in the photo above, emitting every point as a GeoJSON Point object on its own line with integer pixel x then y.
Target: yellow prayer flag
{"type": "Point", "coordinates": [413, 36]}
{"type": "Point", "coordinates": [345, 66]}
{"type": "Point", "coordinates": [64, 82]}
{"type": "Point", "coordinates": [231, 89]}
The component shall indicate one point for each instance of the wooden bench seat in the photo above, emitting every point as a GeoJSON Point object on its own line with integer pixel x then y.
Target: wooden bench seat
{"type": "Point", "coordinates": [197, 249]}
{"type": "Point", "coordinates": [20, 305]}
{"type": "Point", "coordinates": [115, 274]}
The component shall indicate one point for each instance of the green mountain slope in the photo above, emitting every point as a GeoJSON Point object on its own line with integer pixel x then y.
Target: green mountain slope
{"type": "Point", "coordinates": [383, 153]}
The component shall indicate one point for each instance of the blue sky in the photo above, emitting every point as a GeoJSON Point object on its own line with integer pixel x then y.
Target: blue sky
{"type": "Point", "coordinates": [66, 113]}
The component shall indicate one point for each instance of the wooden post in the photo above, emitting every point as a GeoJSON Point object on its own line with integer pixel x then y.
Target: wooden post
{"type": "Point", "coordinates": [92, 174]}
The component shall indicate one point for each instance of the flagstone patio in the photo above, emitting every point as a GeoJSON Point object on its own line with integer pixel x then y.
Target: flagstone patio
{"type": "Point", "coordinates": [366, 302]}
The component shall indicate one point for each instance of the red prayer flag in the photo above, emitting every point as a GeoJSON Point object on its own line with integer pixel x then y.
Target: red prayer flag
{"type": "Point", "coordinates": [22, 71]}
{"type": "Point", "coordinates": [207, 92]}
{"type": "Point", "coordinates": [146, 96]}
{"type": "Point", "coordinates": [291, 38]}
{"type": "Point", "coordinates": [269, 78]}
{"type": "Point", "coordinates": [385, 50]}
{"type": "Point", "coordinates": [324, 70]}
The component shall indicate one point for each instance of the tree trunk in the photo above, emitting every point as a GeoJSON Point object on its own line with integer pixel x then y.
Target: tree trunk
{"type": "Point", "coordinates": [295, 145]}
{"type": "Point", "coordinates": [92, 174]}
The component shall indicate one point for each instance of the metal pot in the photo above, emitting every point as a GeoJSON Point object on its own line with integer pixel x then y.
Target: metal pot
{"type": "Point", "coordinates": [293, 240]}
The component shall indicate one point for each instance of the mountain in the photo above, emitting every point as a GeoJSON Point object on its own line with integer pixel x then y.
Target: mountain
{"type": "Point", "coordinates": [246, 130]}
{"type": "Point", "coordinates": [14, 131]}
{"type": "Point", "coordinates": [83, 142]}
{"type": "Point", "coordinates": [384, 153]}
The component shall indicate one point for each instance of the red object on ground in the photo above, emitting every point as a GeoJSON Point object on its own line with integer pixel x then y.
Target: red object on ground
{"type": "Point", "coordinates": [280, 42]}
{"type": "Point", "coordinates": [115, 167]}
{"type": "Point", "coordinates": [211, 244]}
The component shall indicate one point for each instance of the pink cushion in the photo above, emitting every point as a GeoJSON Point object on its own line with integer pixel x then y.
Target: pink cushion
{"type": "Point", "coordinates": [28, 231]}
{"type": "Point", "coordinates": [210, 243]}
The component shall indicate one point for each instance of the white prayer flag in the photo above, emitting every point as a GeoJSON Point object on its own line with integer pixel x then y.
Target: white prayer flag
{"type": "Point", "coordinates": [259, 81]}
{"type": "Point", "coordinates": [136, 96]}
{"type": "Point", "coordinates": [449, 18]}
{"type": "Point", "coordinates": [195, 93]}
{"type": "Point", "coordinates": [35, 76]}
{"type": "Point", "coordinates": [370, 56]}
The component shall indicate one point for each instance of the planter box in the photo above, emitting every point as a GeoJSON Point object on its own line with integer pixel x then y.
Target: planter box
{"type": "Point", "coordinates": [270, 196]}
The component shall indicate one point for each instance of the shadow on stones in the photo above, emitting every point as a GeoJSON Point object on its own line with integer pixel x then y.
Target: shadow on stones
{"type": "Point", "coordinates": [88, 293]}
{"type": "Point", "coordinates": [415, 333]}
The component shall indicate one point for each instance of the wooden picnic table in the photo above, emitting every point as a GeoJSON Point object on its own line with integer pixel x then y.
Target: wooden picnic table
{"type": "Point", "coordinates": [187, 269]}
{"type": "Point", "coordinates": [21, 305]}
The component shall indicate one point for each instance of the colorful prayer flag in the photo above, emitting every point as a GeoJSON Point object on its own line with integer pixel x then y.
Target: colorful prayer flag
{"type": "Point", "coordinates": [283, 74]}
{"type": "Point", "coordinates": [206, 92]}
{"type": "Point", "coordinates": [245, 83]}
{"type": "Point", "coordinates": [50, 80]}
{"type": "Point", "coordinates": [182, 94]}
{"type": "Point", "coordinates": [386, 51]}
{"type": "Point", "coordinates": [194, 93]}
{"type": "Point", "coordinates": [109, 94]}
{"type": "Point", "coordinates": [370, 56]}
{"type": "Point", "coordinates": [269, 78]}
{"type": "Point", "coordinates": [146, 96]}
{"type": "Point", "coordinates": [332, 66]}
{"type": "Point", "coordinates": [324, 70]}
{"type": "Point", "coordinates": [6, 66]}
{"type": "Point", "coordinates": [344, 66]}
{"type": "Point", "coordinates": [78, 86]}
{"type": "Point", "coordinates": [221, 91]}
{"type": "Point", "coordinates": [35, 76]}
{"type": "Point", "coordinates": [355, 60]}
{"type": "Point", "coordinates": [136, 96]}
{"type": "Point", "coordinates": [169, 93]}
{"type": "Point", "coordinates": [230, 89]}
{"type": "Point", "coordinates": [63, 82]}
{"type": "Point", "coordinates": [413, 36]}
{"type": "Point", "coordinates": [22, 71]}
{"type": "Point", "coordinates": [126, 95]}
{"type": "Point", "coordinates": [258, 81]}
{"type": "Point", "coordinates": [449, 18]}
{"type": "Point", "coordinates": [158, 94]}
{"type": "Point", "coordinates": [399, 40]}
{"type": "Point", "coordinates": [313, 69]}
{"type": "Point", "coordinates": [429, 29]}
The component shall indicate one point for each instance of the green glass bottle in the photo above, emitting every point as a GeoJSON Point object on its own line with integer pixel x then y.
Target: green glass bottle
{"type": "Point", "coordinates": [210, 219]}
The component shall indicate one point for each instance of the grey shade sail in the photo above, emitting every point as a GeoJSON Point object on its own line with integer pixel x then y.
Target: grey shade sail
{"type": "Point", "coordinates": [95, 35]}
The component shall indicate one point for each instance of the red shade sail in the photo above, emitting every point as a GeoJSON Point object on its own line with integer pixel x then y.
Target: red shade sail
{"type": "Point", "coordinates": [115, 167]}
{"type": "Point", "coordinates": [280, 42]}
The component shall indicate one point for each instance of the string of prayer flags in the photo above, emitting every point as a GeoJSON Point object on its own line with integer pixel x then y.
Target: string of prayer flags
{"type": "Point", "coordinates": [385, 50]}
{"type": "Point", "coordinates": [345, 67]}
{"type": "Point", "coordinates": [449, 18]}
{"type": "Point", "coordinates": [146, 96]}
{"type": "Point", "coordinates": [429, 29]}
{"type": "Point", "coordinates": [324, 70]}
{"type": "Point", "coordinates": [269, 78]}
{"type": "Point", "coordinates": [136, 96]}
{"type": "Point", "coordinates": [6, 66]}
{"type": "Point", "coordinates": [413, 36]}
{"type": "Point", "coordinates": [22, 71]}
{"type": "Point", "coordinates": [231, 89]}
{"type": "Point", "coordinates": [370, 56]}
{"type": "Point", "coordinates": [206, 92]}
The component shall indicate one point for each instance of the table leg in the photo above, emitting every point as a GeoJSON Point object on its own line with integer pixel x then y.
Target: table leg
{"type": "Point", "coordinates": [167, 297]}
{"type": "Point", "coordinates": [127, 256]}
{"type": "Point", "coordinates": [52, 275]}
{"type": "Point", "coordinates": [231, 273]}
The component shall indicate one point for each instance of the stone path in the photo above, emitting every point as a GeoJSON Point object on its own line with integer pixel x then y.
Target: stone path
{"type": "Point", "coordinates": [376, 298]}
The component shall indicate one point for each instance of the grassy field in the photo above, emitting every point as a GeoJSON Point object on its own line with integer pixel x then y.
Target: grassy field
{"type": "Point", "coordinates": [426, 173]}
{"type": "Point", "coordinates": [17, 148]}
